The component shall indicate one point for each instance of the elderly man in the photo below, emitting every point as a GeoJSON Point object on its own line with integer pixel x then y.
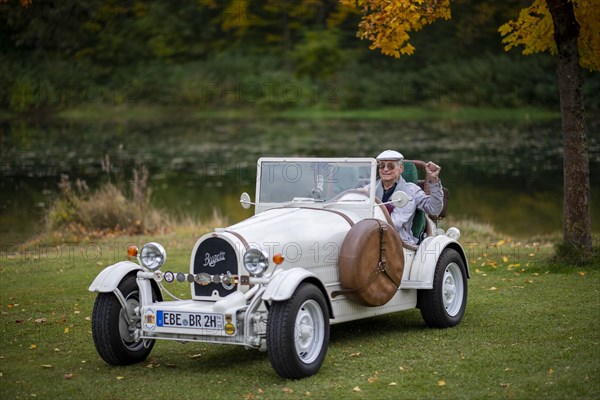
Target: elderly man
{"type": "Point", "coordinates": [390, 180]}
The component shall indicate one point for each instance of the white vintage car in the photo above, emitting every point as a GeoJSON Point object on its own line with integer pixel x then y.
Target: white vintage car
{"type": "Point", "coordinates": [320, 250]}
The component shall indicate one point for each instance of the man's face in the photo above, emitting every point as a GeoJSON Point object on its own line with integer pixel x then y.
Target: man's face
{"type": "Point", "coordinates": [390, 172]}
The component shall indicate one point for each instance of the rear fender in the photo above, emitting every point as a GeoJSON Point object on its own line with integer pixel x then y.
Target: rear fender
{"type": "Point", "coordinates": [425, 260]}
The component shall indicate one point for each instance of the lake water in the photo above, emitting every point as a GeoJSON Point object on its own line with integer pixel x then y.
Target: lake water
{"type": "Point", "coordinates": [504, 173]}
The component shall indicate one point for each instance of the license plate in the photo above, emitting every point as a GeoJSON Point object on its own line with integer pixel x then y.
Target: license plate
{"type": "Point", "coordinates": [169, 319]}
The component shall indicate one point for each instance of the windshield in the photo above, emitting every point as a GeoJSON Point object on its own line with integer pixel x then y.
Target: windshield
{"type": "Point", "coordinates": [284, 181]}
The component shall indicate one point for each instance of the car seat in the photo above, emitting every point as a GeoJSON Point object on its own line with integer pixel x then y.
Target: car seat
{"type": "Point", "coordinates": [410, 174]}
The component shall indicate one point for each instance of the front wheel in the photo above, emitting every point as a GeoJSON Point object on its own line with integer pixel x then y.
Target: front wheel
{"type": "Point", "coordinates": [113, 327]}
{"type": "Point", "coordinates": [298, 333]}
{"type": "Point", "coordinates": [444, 305]}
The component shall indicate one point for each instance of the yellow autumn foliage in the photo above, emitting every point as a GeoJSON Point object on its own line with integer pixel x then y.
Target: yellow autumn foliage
{"type": "Point", "coordinates": [534, 30]}
{"type": "Point", "coordinates": [235, 16]}
{"type": "Point", "coordinates": [388, 23]}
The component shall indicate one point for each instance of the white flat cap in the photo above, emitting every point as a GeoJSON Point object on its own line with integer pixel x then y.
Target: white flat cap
{"type": "Point", "coordinates": [390, 155]}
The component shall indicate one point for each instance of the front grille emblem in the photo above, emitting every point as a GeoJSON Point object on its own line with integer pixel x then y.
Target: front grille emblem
{"type": "Point", "coordinates": [211, 261]}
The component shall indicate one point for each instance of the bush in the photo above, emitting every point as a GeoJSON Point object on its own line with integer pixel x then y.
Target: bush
{"type": "Point", "coordinates": [106, 210]}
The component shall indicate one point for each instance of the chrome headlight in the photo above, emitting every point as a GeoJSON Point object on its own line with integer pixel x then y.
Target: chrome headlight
{"type": "Point", "coordinates": [256, 261]}
{"type": "Point", "coordinates": [152, 256]}
{"type": "Point", "coordinates": [453, 233]}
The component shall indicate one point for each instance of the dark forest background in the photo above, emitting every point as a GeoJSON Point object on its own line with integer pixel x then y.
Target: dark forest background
{"type": "Point", "coordinates": [269, 54]}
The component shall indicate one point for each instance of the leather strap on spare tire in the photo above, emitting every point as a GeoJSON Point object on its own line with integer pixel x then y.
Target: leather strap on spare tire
{"type": "Point", "coordinates": [371, 263]}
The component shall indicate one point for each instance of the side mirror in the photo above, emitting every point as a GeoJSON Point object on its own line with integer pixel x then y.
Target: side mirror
{"type": "Point", "coordinates": [246, 201]}
{"type": "Point", "coordinates": [399, 199]}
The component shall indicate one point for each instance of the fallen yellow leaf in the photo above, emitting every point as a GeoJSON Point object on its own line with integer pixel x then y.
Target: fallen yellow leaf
{"type": "Point", "coordinates": [66, 330]}
{"type": "Point", "coordinates": [392, 384]}
{"type": "Point", "coordinates": [441, 382]}
{"type": "Point", "coordinates": [287, 390]}
{"type": "Point", "coordinates": [356, 389]}
{"type": "Point", "coordinates": [32, 346]}
{"type": "Point", "coordinates": [505, 259]}
{"type": "Point", "coordinates": [581, 273]}
{"type": "Point", "coordinates": [493, 288]}
{"type": "Point", "coordinates": [120, 378]}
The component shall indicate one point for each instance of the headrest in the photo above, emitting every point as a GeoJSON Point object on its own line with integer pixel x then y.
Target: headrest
{"type": "Point", "coordinates": [410, 173]}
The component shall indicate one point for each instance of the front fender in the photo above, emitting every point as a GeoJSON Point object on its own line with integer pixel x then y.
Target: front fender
{"type": "Point", "coordinates": [284, 283]}
{"type": "Point", "coordinates": [110, 277]}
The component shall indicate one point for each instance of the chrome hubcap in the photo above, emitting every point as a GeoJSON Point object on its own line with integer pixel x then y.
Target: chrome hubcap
{"type": "Point", "coordinates": [452, 289]}
{"type": "Point", "coordinates": [309, 331]}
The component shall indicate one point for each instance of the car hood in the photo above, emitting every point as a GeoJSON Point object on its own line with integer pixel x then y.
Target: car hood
{"type": "Point", "coordinates": [308, 236]}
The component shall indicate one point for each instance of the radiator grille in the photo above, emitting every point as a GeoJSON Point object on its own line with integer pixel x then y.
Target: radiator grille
{"type": "Point", "coordinates": [214, 256]}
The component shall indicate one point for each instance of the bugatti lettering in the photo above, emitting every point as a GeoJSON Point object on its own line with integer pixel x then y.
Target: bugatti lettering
{"type": "Point", "coordinates": [168, 319]}
{"type": "Point", "coordinates": [211, 261]}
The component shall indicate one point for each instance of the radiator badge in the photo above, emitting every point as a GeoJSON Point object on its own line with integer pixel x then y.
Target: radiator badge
{"type": "Point", "coordinates": [211, 261]}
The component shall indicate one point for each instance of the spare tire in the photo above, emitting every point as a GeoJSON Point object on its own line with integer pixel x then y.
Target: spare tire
{"type": "Point", "coordinates": [371, 263]}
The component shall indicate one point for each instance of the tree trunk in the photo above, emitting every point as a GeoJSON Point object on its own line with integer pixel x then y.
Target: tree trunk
{"type": "Point", "coordinates": [576, 207]}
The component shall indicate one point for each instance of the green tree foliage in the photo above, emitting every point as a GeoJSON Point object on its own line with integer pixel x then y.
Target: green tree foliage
{"type": "Point", "coordinates": [566, 28]}
{"type": "Point", "coordinates": [58, 54]}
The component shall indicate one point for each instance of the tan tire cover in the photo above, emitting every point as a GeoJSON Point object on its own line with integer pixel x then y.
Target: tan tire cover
{"type": "Point", "coordinates": [359, 260]}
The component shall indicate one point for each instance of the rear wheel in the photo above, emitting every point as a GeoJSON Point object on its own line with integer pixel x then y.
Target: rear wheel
{"type": "Point", "coordinates": [298, 333]}
{"type": "Point", "coordinates": [444, 305]}
{"type": "Point", "coordinates": [113, 326]}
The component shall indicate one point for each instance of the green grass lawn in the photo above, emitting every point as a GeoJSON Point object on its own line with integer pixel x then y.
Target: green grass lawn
{"type": "Point", "coordinates": [528, 333]}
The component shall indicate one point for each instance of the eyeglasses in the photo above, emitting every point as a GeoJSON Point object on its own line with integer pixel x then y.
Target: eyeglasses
{"type": "Point", "coordinates": [391, 166]}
